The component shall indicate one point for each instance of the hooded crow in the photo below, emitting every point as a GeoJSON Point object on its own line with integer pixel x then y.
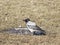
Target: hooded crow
{"type": "Point", "coordinates": [33, 28]}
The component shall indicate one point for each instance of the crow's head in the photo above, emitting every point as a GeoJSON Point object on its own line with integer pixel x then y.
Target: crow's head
{"type": "Point", "coordinates": [26, 20]}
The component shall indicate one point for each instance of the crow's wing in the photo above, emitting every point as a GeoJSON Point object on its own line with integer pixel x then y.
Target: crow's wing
{"type": "Point", "coordinates": [38, 30]}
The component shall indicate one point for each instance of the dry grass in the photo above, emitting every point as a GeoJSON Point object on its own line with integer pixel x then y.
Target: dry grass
{"type": "Point", "coordinates": [8, 39]}
{"type": "Point", "coordinates": [46, 13]}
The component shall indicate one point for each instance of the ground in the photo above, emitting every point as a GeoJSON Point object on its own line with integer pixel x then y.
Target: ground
{"type": "Point", "coordinates": [46, 14]}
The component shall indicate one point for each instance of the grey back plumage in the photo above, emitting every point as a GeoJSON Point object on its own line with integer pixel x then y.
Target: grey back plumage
{"type": "Point", "coordinates": [34, 27]}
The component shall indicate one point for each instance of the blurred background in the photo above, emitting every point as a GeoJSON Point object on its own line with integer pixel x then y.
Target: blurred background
{"type": "Point", "coordinates": [46, 14]}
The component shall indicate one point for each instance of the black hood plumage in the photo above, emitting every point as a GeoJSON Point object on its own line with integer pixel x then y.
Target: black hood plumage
{"type": "Point", "coordinates": [26, 20]}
